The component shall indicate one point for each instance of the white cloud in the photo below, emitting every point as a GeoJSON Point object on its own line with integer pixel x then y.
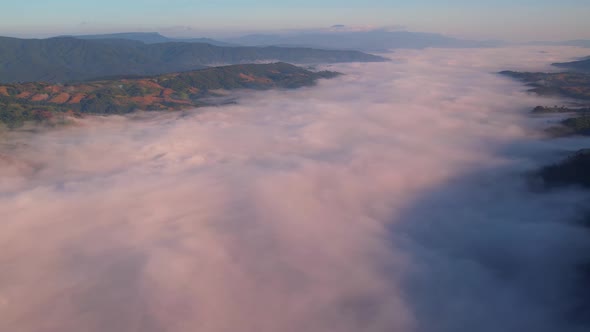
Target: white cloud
{"type": "Point", "coordinates": [389, 199]}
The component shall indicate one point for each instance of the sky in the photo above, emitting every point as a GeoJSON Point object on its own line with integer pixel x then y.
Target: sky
{"type": "Point", "coordinates": [499, 19]}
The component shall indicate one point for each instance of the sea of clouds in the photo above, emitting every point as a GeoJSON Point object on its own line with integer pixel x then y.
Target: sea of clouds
{"type": "Point", "coordinates": [393, 198]}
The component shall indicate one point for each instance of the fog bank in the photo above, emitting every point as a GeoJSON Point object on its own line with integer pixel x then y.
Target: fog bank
{"type": "Point", "coordinates": [388, 199]}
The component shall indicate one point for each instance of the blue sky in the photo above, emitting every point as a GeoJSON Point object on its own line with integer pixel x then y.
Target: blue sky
{"type": "Point", "coordinates": [516, 19]}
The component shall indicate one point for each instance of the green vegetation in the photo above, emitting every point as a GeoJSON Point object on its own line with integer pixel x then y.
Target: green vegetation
{"type": "Point", "coordinates": [67, 59]}
{"type": "Point", "coordinates": [571, 171]}
{"type": "Point", "coordinates": [580, 125]}
{"type": "Point", "coordinates": [571, 126]}
{"type": "Point", "coordinates": [44, 101]}
{"type": "Point", "coordinates": [560, 109]}
{"type": "Point", "coordinates": [570, 84]}
{"type": "Point", "coordinates": [575, 169]}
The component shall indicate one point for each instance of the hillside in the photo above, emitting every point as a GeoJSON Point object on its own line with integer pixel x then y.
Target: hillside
{"type": "Point", "coordinates": [71, 59]}
{"type": "Point", "coordinates": [43, 101]}
{"type": "Point", "coordinates": [572, 171]}
{"type": "Point", "coordinates": [581, 65]}
{"type": "Point", "coordinates": [571, 84]}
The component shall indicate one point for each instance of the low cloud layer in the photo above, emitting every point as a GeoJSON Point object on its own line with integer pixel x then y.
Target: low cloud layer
{"type": "Point", "coordinates": [388, 199]}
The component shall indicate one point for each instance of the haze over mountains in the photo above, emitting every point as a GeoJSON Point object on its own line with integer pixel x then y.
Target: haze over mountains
{"type": "Point", "coordinates": [295, 166]}
{"type": "Point", "coordinates": [346, 179]}
{"type": "Point", "coordinates": [151, 38]}
{"type": "Point", "coordinates": [577, 43]}
{"type": "Point", "coordinates": [71, 59]}
{"type": "Point", "coordinates": [375, 40]}
{"type": "Point", "coordinates": [371, 40]}
{"type": "Point", "coordinates": [580, 65]}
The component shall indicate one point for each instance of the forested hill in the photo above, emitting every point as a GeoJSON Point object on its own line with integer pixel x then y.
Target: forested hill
{"type": "Point", "coordinates": [580, 65]}
{"type": "Point", "coordinates": [568, 84]}
{"type": "Point", "coordinates": [574, 85]}
{"type": "Point", "coordinates": [44, 101]}
{"type": "Point", "coordinates": [67, 59]}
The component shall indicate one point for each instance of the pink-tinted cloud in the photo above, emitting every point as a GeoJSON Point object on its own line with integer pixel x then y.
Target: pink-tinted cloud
{"type": "Point", "coordinates": [307, 210]}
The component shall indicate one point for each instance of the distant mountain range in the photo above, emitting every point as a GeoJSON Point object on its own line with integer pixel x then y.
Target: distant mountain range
{"type": "Point", "coordinates": [151, 38]}
{"type": "Point", "coordinates": [64, 59]}
{"type": "Point", "coordinates": [375, 40]}
{"type": "Point", "coordinates": [372, 41]}
{"type": "Point", "coordinates": [22, 102]}
{"type": "Point", "coordinates": [577, 43]}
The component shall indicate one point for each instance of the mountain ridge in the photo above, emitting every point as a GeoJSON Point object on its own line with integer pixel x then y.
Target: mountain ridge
{"type": "Point", "coordinates": [374, 40]}
{"type": "Point", "coordinates": [66, 59]}
{"type": "Point", "coordinates": [150, 38]}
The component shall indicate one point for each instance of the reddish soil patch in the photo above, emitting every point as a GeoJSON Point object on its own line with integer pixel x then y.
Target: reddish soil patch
{"type": "Point", "coordinates": [53, 89]}
{"type": "Point", "coordinates": [60, 98]}
{"type": "Point", "coordinates": [167, 92]}
{"type": "Point", "coordinates": [3, 91]}
{"type": "Point", "coordinates": [24, 94]}
{"type": "Point", "coordinates": [177, 101]}
{"type": "Point", "coordinates": [149, 84]}
{"type": "Point", "coordinates": [40, 97]}
{"type": "Point", "coordinates": [77, 98]}
{"type": "Point", "coordinates": [147, 100]}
